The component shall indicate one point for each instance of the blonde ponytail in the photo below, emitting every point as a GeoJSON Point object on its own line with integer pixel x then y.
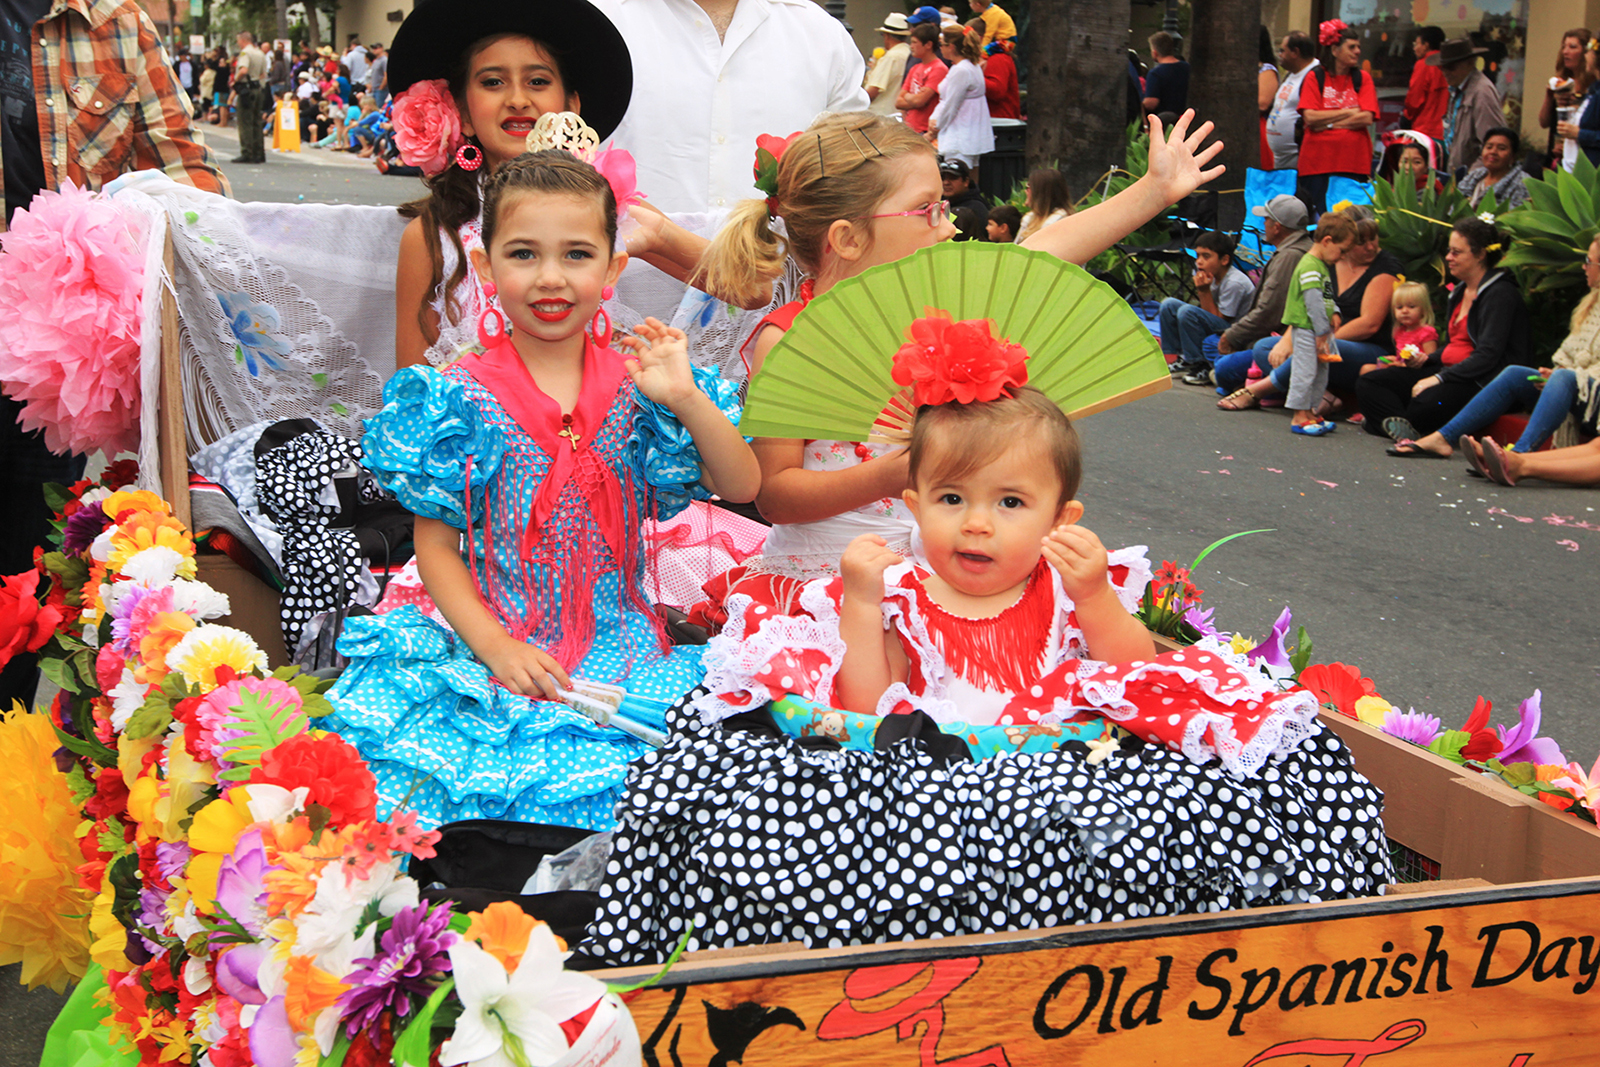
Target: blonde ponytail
{"type": "Point", "coordinates": [743, 258]}
{"type": "Point", "coordinates": [837, 169]}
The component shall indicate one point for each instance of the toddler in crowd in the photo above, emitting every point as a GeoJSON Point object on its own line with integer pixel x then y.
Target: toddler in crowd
{"type": "Point", "coordinates": [1415, 339]}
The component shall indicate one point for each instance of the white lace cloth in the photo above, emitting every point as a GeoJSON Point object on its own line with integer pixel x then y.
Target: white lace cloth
{"type": "Point", "coordinates": [812, 549]}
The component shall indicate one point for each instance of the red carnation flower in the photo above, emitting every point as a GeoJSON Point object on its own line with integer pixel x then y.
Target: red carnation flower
{"type": "Point", "coordinates": [24, 625]}
{"type": "Point", "coordinates": [330, 769]}
{"type": "Point", "coordinates": [963, 361]}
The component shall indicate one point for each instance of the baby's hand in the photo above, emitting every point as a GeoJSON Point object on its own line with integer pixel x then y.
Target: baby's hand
{"type": "Point", "coordinates": [1081, 560]}
{"type": "Point", "coordinates": [660, 367]}
{"type": "Point", "coordinates": [526, 670]}
{"type": "Point", "coordinates": [862, 567]}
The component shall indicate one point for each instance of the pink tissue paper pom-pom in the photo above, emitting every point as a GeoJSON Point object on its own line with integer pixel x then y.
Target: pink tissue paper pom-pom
{"type": "Point", "coordinates": [72, 281]}
{"type": "Point", "coordinates": [427, 126]}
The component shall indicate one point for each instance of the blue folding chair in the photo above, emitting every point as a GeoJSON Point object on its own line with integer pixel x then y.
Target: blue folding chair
{"type": "Point", "coordinates": [1259, 187]}
{"type": "Point", "coordinates": [1341, 189]}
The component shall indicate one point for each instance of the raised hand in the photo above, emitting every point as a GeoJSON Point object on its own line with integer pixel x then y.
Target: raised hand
{"type": "Point", "coordinates": [1177, 162]}
{"type": "Point", "coordinates": [1081, 560]}
{"type": "Point", "coordinates": [862, 567]}
{"type": "Point", "coordinates": [660, 367]}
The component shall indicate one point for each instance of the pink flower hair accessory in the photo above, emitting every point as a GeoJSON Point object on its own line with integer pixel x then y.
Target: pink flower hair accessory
{"type": "Point", "coordinates": [1330, 32]}
{"type": "Point", "coordinates": [617, 167]}
{"type": "Point", "coordinates": [427, 126]}
{"type": "Point", "coordinates": [945, 361]}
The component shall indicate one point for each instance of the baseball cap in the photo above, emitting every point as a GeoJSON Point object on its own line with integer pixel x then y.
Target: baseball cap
{"type": "Point", "coordinates": [895, 23]}
{"type": "Point", "coordinates": [1284, 209]}
{"type": "Point", "coordinates": [924, 14]}
{"type": "Point", "coordinates": [953, 168]}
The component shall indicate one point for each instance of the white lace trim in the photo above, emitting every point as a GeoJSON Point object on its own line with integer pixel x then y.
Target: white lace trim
{"type": "Point", "coordinates": [733, 661]}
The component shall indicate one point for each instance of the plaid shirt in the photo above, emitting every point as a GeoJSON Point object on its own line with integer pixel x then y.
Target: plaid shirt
{"type": "Point", "coordinates": [109, 102]}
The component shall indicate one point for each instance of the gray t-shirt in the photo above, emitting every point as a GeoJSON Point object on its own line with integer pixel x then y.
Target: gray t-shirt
{"type": "Point", "coordinates": [1233, 293]}
{"type": "Point", "coordinates": [376, 71]}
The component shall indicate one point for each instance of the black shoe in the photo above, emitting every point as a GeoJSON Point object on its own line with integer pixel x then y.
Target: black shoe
{"type": "Point", "coordinates": [241, 159]}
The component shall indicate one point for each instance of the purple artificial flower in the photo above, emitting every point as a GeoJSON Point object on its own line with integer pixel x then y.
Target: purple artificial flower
{"type": "Point", "coordinates": [241, 886]}
{"type": "Point", "coordinates": [153, 914]}
{"type": "Point", "coordinates": [410, 954]}
{"type": "Point", "coordinates": [272, 1040]}
{"type": "Point", "coordinates": [82, 527]}
{"type": "Point", "coordinates": [1200, 619]}
{"type": "Point", "coordinates": [1412, 726]}
{"type": "Point", "coordinates": [1520, 743]}
{"type": "Point", "coordinates": [1271, 651]}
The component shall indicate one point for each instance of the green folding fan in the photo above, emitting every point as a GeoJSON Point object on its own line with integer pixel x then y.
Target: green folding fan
{"type": "Point", "coordinates": [829, 376]}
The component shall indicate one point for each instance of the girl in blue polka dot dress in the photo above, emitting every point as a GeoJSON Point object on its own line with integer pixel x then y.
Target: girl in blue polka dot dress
{"type": "Point", "coordinates": [530, 468]}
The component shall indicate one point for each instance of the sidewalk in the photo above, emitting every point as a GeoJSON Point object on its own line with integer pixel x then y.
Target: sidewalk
{"type": "Point", "coordinates": [225, 143]}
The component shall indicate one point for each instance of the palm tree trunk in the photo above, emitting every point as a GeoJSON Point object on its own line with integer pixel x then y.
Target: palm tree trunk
{"type": "Point", "coordinates": [1077, 87]}
{"type": "Point", "coordinates": [1222, 48]}
{"type": "Point", "coordinates": [283, 19]}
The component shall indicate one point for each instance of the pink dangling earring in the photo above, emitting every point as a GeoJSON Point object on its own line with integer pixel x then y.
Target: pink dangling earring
{"type": "Point", "coordinates": [469, 162]}
{"type": "Point", "coordinates": [492, 327]}
{"type": "Point", "coordinates": [602, 333]}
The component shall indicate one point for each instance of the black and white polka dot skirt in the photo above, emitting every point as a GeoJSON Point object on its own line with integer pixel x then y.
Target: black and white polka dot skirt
{"type": "Point", "coordinates": [755, 840]}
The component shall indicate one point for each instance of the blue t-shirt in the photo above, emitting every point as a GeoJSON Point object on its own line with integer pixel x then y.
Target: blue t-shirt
{"type": "Point", "coordinates": [1169, 84]}
{"type": "Point", "coordinates": [19, 111]}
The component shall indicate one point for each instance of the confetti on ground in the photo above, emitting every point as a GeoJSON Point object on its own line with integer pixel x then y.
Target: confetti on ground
{"type": "Point", "coordinates": [1507, 514]}
{"type": "Point", "coordinates": [1568, 520]}
{"type": "Point", "coordinates": [1221, 471]}
{"type": "Point", "coordinates": [1330, 485]}
{"type": "Point", "coordinates": [1274, 470]}
{"type": "Point", "coordinates": [1570, 546]}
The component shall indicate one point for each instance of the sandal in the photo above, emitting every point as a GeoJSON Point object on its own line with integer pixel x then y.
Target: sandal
{"type": "Point", "coordinates": [1474, 456]}
{"type": "Point", "coordinates": [1409, 449]}
{"type": "Point", "coordinates": [1312, 429]}
{"type": "Point", "coordinates": [1494, 458]}
{"type": "Point", "coordinates": [1239, 400]}
{"type": "Point", "coordinates": [1329, 407]}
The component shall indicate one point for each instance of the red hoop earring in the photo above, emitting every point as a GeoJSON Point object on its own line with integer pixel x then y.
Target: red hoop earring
{"type": "Point", "coordinates": [492, 327]}
{"type": "Point", "coordinates": [472, 162]}
{"type": "Point", "coordinates": [602, 333]}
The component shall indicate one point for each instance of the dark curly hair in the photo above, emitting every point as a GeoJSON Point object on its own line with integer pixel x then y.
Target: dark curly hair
{"type": "Point", "coordinates": [1484, 238]}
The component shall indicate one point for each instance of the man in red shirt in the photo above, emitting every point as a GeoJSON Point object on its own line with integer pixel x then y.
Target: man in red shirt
{"type": "Point", "coordinates": [1428, 95]}
{"type": "Point", "coordinates": [920, 93]}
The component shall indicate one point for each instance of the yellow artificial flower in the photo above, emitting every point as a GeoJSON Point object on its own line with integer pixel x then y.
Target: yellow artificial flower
{"type": "Point", "coordinates": [147, 529]}
{"type": "Point", "coordinates": [109, 948]}
{"type": "Point", "coordinates": [130, 756]}
{"type": "Point", "coordinates": [166, 629]}
{"type": "Point", "coordinates": [1241, 643]}
{"type": "Point", "coordinates": [1372, 709]}
{"type": "Point", "coordinates": [212, 835]}
{"type": "Point", "coordinates": [205, 648]}
{"type": "Point", "coordinates": [123, 501]}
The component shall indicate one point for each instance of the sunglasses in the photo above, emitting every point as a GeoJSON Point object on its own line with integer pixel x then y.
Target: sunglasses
{"type": "Point", "coordinates": [935, 212]}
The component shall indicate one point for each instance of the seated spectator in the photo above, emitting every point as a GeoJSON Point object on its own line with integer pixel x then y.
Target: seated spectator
{"type": "Point", "coordinates": [1577, 465]}
{"type": "Point", "coordinates": [1224, 292]}
{"type": "Point", "coordinates": [1497, 169]}
{"type": "Point", "coordinates": [1562, 393]}
{"type": "Point", "coordinates": [1487, 329]}
{"type": "Point", "coordinates": [1250, 339]}
{"type": "Point", "coordinates": [966, 203]}
{"type": "Point", "coordinates": [1363, 281]}
{"type": "Point", "coordinates": [1049, 201]}
{"type": "Point", "coordinates": [1004, 222]}
{"type": "Point", "coordinates": [1413, 153]}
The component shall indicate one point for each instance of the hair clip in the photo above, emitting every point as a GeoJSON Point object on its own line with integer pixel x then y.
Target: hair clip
{"type": "Point", "coordinates": [566, 132]}
{"type": "Point", "coordinates": [1492, 248]}
{"type": "Point", "coordinates": [821, 167]}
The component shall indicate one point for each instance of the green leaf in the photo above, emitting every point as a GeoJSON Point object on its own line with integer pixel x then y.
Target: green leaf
{"type": "Point", "coordinates": [1219, 544]}
{"type": "Point", "coordinates": [78, 782]}
{"type": "Point", "coordinates": [238, 353]}
{"type": "Point", "coordinates": [265, 725]}
{"type": "Point", "coordinates": [1301, 656]}
{"type": "Point", "coordinates": [1575, 200]}
{"type": "Point", "coordinates": [57, 496]}
{"type": "Point", "coordinates": [310, 688]}
{"type": "Point", "coordinates": [341, 1048]}
{"type": "Point", "coordinates": [59, 672]}
{"type": "Point", "coordinates": [88, 747]}
{"type": "Point", "coordinates": [338, 408]}
{"type": "Point", "coordinates": [152, 719]}
{"type": "Point", "coordinates": [206, 238]}
{"type": "Point", "coordinates": [413, 1048]}
{"type": "Point", "coordinates": [191, 217]}
{"type": "Point", "coordinates": [1518, 774]}
{"type": "Point", "coordinates": [677, 954]}
{"type": "Point", "coordinates": [320, 380]}
{"type": "Point", "coordinates": [1449, 745]}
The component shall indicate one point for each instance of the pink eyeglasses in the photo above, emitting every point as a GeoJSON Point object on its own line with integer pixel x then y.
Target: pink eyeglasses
{"type": "Point", "coordinates": [936, 213]}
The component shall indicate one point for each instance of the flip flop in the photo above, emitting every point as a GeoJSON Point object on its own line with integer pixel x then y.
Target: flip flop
{"type": "Point", "coordinates": [1409, 449]}
{"type": "Point", "coordinates": [1474, 457]}
{"type": "Point", "coordinates": [1495, 460]}
{"type": "Point", "coordinates": [1239, 400]}
{"type": "Point", "coordinates": [1312, 429]}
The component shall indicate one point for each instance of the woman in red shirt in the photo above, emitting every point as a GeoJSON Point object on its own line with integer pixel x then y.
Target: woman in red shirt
{"type": "Point", "coordinates": [1000, 81]}
{"type": "Point", "coordinates": [1338, 105]}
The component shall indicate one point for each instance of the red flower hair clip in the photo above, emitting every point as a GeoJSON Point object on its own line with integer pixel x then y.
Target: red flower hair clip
{"type": "Point", "coordinates": [963, 361]}
{"type": "Point", "coordinates": [1329, 32]}
{"type": "Point", "coordinates": [769, 152]}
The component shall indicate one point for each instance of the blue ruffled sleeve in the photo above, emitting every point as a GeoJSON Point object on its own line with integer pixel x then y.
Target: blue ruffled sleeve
{"type": "Point", "coordinates": [664, 454]}
{"type": "Point", "coordinates": [421, 444]}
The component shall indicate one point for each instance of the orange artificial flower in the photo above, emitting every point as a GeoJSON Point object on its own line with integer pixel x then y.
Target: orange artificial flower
{"type": "Point", "coordinates": [309, 990]}
{"type": "Point", "coordinates": [124, 501]}
{"type": "Point", "coordinates": [502, 929]}
{"type": "Point", "coordinates": [148, 529]}
{"type": "Point", "coordinates": [166, 630]}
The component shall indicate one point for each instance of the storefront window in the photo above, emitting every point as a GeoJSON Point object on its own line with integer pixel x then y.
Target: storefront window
{"type": "Point", "coordinates": [1386, 27]}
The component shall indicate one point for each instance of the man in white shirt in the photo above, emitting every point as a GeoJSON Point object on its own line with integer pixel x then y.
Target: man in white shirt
{"type": "Point", "coordinates": [355, 60]}
{"type": "Point", "coordinates": [709, 76]}
{"type": "Point", "coordinates": [1298, 54]}
{"type": "Point", "coordinates": [883, 80]}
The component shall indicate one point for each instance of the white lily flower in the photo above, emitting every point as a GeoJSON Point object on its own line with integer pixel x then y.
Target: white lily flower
{"type": "Point", "coordinates": [274, 803]}
{"type": "Point", "coordinates": [515, 1020]}
{"type": "Point", "coordinates": [100, 548]}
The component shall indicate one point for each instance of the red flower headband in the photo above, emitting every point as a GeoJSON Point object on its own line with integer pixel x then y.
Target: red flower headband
{"type": "Point", "coordinates": [1330, 32]}
{"type": "Point", "coordinates": [963, 361]}
{"type": "Point", "coordinates": [769, 151]}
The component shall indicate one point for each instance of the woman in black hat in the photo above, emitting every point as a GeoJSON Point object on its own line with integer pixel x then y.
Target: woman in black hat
{"type": "Point", "coordinates": [469, 81]}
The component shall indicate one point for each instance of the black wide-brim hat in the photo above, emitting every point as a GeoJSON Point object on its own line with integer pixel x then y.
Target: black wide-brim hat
{"type": "Point", "coordinates": [1456, 50]}
{"type": "Point", "coordinates": [595, 61]}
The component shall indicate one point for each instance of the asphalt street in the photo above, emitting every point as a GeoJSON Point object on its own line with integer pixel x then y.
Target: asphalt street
{"type": "Point", "coordinates": [1439, 586]}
